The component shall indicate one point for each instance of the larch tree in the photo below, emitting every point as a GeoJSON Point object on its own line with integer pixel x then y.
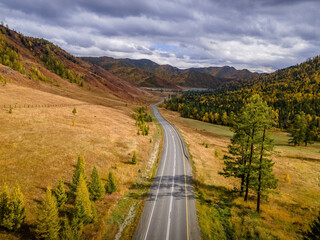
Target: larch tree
{"type": "Point", "coordinates": [111, 185]}
{"type": "Point", "coordinates": [47, 225]}
{"type": "Point", "coordinates": [96, 188]}
{"type": "Point", "coordinates": [298, 129]}
{"type": "Point", "coordinates": [66, 232]}
{"type": "Point", "coordinates": [61, 194]}
{"type": "Point", "coordinates": [314, 232]}
{"type": "Point", "coordinates": [83, 209]}
{"type": "Point", "coordinates": [134, 157]}
{"type": "Point", "coordinates": [80, 170]}
{"type": "Point", "coordinates": [19, 207]}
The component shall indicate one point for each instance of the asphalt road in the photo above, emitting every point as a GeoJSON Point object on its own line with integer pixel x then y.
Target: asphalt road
{"type": "Point", "coordinates": [169, 211]}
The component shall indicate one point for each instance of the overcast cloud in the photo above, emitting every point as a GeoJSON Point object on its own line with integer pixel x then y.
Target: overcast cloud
{"type": "Point", "coordinates": [261, 35]}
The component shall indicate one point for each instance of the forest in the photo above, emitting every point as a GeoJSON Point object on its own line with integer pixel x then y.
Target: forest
{"type": "Point", "coordinates": [293, 93]}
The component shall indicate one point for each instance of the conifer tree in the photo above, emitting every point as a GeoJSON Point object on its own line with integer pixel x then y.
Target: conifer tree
{"type": "Point", "coordinates": [298, 129]}
{"type": "Point", "coordinates": [249, 149]}
{"type": "Point", "coordinates": [19, 207]}
{"type": "Point", "coordinates": [74, 111]}
{"type": "Point", "coordinates": [6, 209]}
{"type": "Point", "coordinates": [80, 170]}
{"type": "Point", "coordinates": [66, 232]}
{"type": "Point", "coordinates": [60, 194]}
{"type": "Point", "coordinates": [111, 184]}
{"type": "Point", "coordinates": [4, 201]}
{"type": "Point", "coordinates": [96, 188]}
{"type": "Point", "coordinates": [134, 157]}
{"type": "Point", "coordinates": [314, 232]}
{"type": "Point", "coordinates": [84, 208]}
{"type": "Point", "coordinates": [48, 218]}
{"type": "Point", "coordinates": [77, 227]}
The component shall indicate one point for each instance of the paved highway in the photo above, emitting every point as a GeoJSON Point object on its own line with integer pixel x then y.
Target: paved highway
{"type": "Point", "coordinates": [169, 211]}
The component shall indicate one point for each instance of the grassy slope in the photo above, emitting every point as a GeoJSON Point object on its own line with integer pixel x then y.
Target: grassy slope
{"type": "Point", "coordinates": [222, 214]}
{"type": "Point", "coordinates": [39, 145]}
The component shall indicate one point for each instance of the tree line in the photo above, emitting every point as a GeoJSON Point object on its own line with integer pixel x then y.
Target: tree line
{"type": "Point", "coordinates": [54, 220]}
{"type": "Point", "coordinates": [292, 93]}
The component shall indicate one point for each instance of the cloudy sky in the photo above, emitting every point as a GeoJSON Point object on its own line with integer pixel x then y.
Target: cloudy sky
{"type": "Point", "coordinates": [261, 35]}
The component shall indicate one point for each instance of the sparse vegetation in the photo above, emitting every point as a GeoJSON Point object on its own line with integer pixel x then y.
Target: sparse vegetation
{"type": "Point", "coordinates": [141, 118]}
{"type": "Point", "coordinates": [134, 158]}
{"type": "Point", "coordinates": [35, 74]}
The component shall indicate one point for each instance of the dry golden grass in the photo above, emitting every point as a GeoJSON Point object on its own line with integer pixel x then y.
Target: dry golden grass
{"type": "Point", "coordinates": [284, 216]}
{"type": "Point", "coordinates": [40, 145]}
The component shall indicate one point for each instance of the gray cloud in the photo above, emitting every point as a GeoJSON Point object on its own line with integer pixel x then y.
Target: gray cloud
{"type": "Point", "coordinates": [261, 35]}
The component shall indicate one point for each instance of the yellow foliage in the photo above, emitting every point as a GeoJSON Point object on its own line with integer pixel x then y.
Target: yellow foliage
{"type": "Point", "coordinates": [287, 178]}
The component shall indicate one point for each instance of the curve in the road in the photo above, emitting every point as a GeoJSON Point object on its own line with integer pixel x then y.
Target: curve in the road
{"type": "Point", "coordinates": [169, 211]}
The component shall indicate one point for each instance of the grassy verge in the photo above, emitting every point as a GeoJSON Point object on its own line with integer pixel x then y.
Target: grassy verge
{"type": "Point", "coordinates": [129, 209]}
{"type": "Point", "coordinates": [222, 214]}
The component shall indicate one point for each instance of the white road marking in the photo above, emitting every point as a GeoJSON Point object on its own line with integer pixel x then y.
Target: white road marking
{"type": "Point", "coordinates": [172, 189]}
{"type": "Point", "coordinates": [154, 203]}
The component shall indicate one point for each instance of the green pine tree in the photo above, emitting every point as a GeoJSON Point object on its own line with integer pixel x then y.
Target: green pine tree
{"type": "Point", "coordinates": [74, 111]}
{"type": "Point", "coordinates": [96, 188]}
{"type": "Point", "coordinates": [298, 129]}
{"type": "Point", "coordinates": [134, 158]}
{"type": "Point", "coordinates": [80, 170]}
{"type": "Point", "coordinates": [47, 225]}
{"type": "Point", "coordinates": [111, 185]}
{"type": "Point", "coordinates": [84, 208]}
{"type": "Point", "coordinates": [314, 232]}
{"type": "Point", "coordinates": [4, 201]}
{"type": "Point", "coordinates": [60, 194]}
{"type": "Point", "coordinates": [77, 227]}
{"type": "Point", "coordinates": [19, 207]}
{"type": "Point", "coordinates": [66, 232]}
{"type": "Point", "coordinates": [7, 209]}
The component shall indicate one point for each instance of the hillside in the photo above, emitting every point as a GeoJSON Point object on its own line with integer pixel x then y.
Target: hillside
{"type": "Point", "coordinates": [145, 73]}
{"type": "Point", "coordinates": [42, 136]}
{"type": "Point", "coordinates": [289, 91]}
{"type": "Point", "coordinates": [52, 69]}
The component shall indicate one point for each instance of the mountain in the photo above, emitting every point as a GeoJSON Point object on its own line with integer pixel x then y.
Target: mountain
{"type": "Point", "coordinates": [41, 64]}
{"type": "Point", "coordinates": [146, 73]}
{"type": "Point", "coordinates": [289, 91]}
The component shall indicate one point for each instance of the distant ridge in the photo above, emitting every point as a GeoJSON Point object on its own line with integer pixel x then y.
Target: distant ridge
{"type": "Point", "coordinates": [146, 73]}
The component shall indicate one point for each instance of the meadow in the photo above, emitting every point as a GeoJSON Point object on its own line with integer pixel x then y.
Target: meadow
{"type": "Point", "coordinates": [223, 214]}
{"type": "Point", "coordinates": [41, 144]}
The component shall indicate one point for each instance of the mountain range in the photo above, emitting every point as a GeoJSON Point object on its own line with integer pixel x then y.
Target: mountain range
{"type": "Point", "coordinates": [146, 73]}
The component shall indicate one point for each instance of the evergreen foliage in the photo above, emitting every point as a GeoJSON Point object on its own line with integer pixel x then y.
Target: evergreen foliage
{"type": "Point", "coordinates": [249, 149]}
{"type": "Point", "coordinates": [12, 209]}
{"type": "Point", "coordinates": [74, 111]}
{"type": "Point", "coordinates": [10, 57]}
{"type": "Point", "coordinates": [134, 157]}
{"type": "Point", "coordinates": [66, 232]}
{"type": "Point", "coordinates": [19, 207]}
{"type": "Point", "coordinates": [96, 188]}
{"type": "Point", "coordinates": [314, 232]}
{"type": "Point", "coordinates": [35, 74]}
{"type": "Point", "coordinates": [60, 194]}
{"type": "Point", "coordinates": [141, 118]}
{"type": "Point", "coordinates": [80, 170]}
{"type": "Point", "coordinates": [47, 225]}
{"type": "Point", "coordinates": [83, 209]}
{"type": "Point", "coordinates": [288, 91]}
{"type": "Point", "coordinates": [111, 185]}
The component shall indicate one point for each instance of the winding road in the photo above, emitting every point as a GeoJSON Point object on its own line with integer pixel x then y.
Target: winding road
{"type": "Point", "coordinates": [169, 211]}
